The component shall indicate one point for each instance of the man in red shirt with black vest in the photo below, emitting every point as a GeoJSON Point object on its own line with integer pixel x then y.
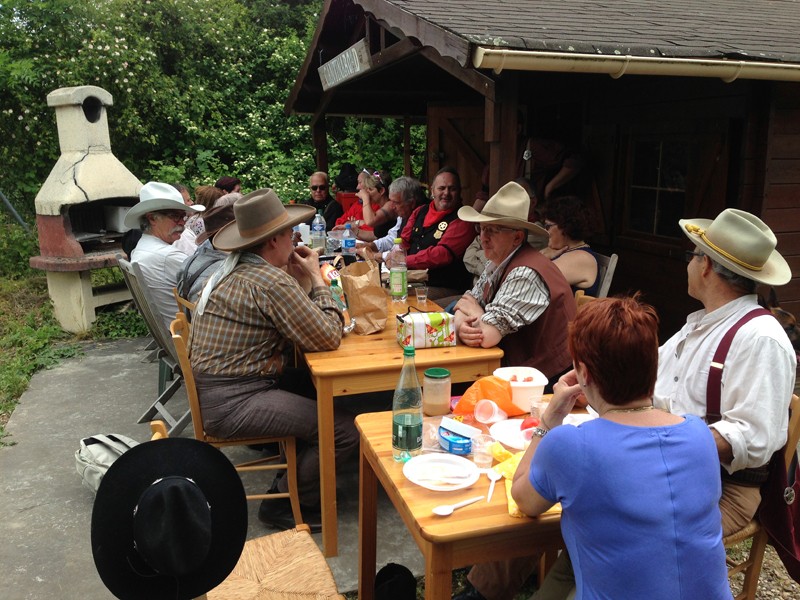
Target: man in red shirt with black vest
{"type": "Point", "coordinates": [436, 238]}
{"type": "Point", "coordinates": [521, 302]}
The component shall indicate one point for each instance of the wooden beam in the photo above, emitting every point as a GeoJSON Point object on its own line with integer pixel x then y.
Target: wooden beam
{"type": "Point", "coordinates": [320, 140]}
{"type": "Point", "coordinates": [470, 77]}
{"type": "Point", "coordinates": [407, 146]}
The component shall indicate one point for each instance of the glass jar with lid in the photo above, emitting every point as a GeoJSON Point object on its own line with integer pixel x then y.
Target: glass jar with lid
{"type": "Point", "coordinates": [436, 392]}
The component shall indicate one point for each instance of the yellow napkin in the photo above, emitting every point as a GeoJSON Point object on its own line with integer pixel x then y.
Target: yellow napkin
{"type": "Point", "coordinates": [507, 468]}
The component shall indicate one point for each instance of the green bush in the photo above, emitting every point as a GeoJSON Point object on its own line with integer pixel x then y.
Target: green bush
{"type": "Point", "coordinates": [16, 247]}
{"type": "Point", "coordinates": [119, 323]}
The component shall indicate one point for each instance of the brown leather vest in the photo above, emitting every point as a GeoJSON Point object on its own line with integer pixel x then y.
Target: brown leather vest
{"type": "Point", "coordinates": [542, 344]}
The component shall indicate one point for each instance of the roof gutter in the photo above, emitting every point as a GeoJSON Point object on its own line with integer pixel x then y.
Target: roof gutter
{"type": "Point", "coordinates": [617, 66]}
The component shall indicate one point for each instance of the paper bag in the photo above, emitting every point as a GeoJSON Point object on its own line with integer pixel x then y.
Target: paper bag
{"type": "Point", "coordinates": [426, 329]}
{"type": "Point", "coordinates": [366, 299]}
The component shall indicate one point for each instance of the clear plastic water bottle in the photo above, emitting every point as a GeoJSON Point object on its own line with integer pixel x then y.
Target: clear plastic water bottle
{"type": "Point", "coordinates": [348, 241]}
{"type": "Point", "coordinates": [398, 272]}
{"type": "Point", "coordinates": [318, 231]}
{"type": "Point", "coordinates": [407, 411]}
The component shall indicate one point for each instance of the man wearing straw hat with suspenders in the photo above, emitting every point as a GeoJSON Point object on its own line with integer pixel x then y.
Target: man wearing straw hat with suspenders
{"type": "Point", "coordinates": [731, 363]}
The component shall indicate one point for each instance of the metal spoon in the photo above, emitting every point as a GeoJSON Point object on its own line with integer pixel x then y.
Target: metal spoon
{"type": "Point", "coordinates": [494, 477]}
{"type": "Point", "coordinates": [445, 510]}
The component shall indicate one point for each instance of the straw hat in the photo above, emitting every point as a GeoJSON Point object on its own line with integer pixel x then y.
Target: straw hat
{"type": "Point", "coordinates": [259, 215]}
{"type": "Point", "coordinates": [508, 207]}
{"type": "Point", "coordinates": [740, 242]}
{"type": "Point", "coordinates": [169, 520]}
{"type": "Point", "coordinates": [155, 196]}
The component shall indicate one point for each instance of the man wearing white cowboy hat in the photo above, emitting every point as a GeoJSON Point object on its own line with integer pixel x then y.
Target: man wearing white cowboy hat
{"type": "Point", "coordinates": [521, 302]}
{"type": "Point", "coordinates": [160, 214]}
{"type": "Point", "coordinates": [732, 255]}
{"type": "Point", "coordinates": [250, 316]}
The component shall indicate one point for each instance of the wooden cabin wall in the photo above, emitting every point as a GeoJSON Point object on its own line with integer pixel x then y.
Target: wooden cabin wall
{"type": "Point", "coordinates": [781, 198]}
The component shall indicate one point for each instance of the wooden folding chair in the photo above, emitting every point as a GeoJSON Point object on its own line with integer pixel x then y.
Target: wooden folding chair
{"type": "Point", "coordinates": [581, 298]}
{"type": "Point", "coordinates": [180, 334]}
{"type": "Point", "coordinates": [751, 566]}
{"type": "Point", "coordinates": [606, 265]}
{"type": "Point", "coordinates": [169, 371]}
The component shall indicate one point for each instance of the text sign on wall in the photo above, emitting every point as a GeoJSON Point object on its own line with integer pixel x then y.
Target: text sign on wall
{"type": "Point", "coordinates": [348, 64]}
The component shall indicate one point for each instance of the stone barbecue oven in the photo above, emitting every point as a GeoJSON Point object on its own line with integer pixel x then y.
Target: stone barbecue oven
{"type": "Point", "coordinates": [80, 208]}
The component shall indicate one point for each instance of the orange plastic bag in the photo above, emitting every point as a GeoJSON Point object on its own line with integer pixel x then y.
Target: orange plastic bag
{"type": "Point", "coordinates": [490, 388]}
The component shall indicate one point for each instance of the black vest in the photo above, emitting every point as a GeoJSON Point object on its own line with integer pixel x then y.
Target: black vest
{"type": "Point", "coordinates": [454, 275]}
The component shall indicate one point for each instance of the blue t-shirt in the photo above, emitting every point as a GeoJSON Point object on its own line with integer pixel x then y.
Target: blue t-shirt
{"type": "Point", "coordinates": [640, 506]}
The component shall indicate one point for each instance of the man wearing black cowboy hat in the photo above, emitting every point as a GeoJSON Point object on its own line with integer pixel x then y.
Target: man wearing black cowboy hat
{"type": "Point", "coordinates": [250, 316]}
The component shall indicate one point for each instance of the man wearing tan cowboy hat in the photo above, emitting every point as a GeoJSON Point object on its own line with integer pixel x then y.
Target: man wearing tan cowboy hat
{"type": "Point", "coordinates": [250, 316]}
{"type": "Point", "coordinates": [160, 214]}
{"type": "Point", "coordinates": [732, 255]}
{"type": "Point", "coordinates": [521, 302]}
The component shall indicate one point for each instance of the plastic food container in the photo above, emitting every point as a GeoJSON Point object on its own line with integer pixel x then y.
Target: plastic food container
{"type": "Point", "coordinates": [454, 443]}
{"type": "Point", "coordinates": [527, 385]}
{"type": "Point", "coordinates": [436, 392]}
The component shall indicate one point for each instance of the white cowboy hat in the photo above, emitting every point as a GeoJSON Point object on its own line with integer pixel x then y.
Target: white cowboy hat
{"type": "Point", "coordinates": [740, 242]}
{"type": "Point", "coordinates": [259, 215]}
{"type": "Point", "coordinates": [155, 196]}
{"type": "Point", "coordinates": [509, 207]}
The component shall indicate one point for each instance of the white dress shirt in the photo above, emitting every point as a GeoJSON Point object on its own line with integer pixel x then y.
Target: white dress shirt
{"type": "Point", "coordinates": [160, 264]}
{"type": "Point", "coordinates": [757, 381]}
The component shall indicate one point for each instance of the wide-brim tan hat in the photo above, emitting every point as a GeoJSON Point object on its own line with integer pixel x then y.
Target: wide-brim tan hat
{"type": "Point", "coordinates": [509, 207]}
{"type": "Point", "coordinates": [155, 196]}
{"type": "Point", "coordinates": [740, 242]}
{"type": "Point", "coordinates": [259, 216]}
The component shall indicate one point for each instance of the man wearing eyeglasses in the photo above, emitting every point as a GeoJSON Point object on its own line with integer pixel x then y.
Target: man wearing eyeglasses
{"type": "Point", "coordinates": [521, 302]}
{"type": "Point", "coordinates": [321, 199]}
{"type": "Point", "coordinates": [160, 214]}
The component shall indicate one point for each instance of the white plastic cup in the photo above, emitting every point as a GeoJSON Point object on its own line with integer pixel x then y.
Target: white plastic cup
{"type": "Point", "coordinates": [305, 233]}
{"type": "Point", "coordinates": [487, 411]}
{"type": "Point", "coordinates": [482, 451]}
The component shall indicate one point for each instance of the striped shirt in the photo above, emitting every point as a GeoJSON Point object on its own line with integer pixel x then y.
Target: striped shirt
{"type": "Point", "coordinates": [521, 299]}
{"type": "Point", "coordinates": [253, 319]}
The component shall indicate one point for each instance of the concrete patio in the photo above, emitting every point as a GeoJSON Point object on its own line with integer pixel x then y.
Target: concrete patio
{"type": "Point", "coordinates": [45, 511]}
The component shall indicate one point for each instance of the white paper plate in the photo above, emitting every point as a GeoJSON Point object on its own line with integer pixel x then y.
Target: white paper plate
{"type": "Point", "coordinates": [441, 472]}
{"type": "Point", "coordinates": [508, 433]}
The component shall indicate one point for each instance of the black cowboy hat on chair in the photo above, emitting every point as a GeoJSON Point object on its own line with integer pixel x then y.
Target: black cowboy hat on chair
{"type": "Point", "coordinates": [169, 521]}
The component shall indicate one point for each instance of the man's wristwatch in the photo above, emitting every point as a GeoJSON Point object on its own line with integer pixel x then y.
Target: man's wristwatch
{"type": "Point", "coordinates": [539, 431]}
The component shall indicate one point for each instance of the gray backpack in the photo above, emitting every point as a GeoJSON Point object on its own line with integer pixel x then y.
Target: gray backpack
{"type": "Point", "coordinates": [97, 453]}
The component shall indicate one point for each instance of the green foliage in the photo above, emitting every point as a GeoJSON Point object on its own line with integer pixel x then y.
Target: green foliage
{"type": "Point", "coordinates": [16, 247]}
{"type": "Point", "coordinates": [199, 88]}
{"type": "Point", "coordinates": [116, 323]}
{"type": "Point", "coordinates": [30, 339]}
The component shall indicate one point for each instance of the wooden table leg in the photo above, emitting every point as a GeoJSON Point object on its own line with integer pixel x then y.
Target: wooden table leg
{"type": "Point", "coordinates": [367, 528]}
{"type": "Point", "coordinates": [327, 467]}
{"type": "Point", "coordinates": [438, 571]}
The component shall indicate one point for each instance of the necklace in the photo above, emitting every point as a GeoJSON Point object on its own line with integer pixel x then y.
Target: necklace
{"type": "Point", "coordinates": [576, 246]}
{"type": "Point", "coordinates": [630, 410]}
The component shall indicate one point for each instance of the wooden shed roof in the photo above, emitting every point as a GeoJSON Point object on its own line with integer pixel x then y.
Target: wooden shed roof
{"type": "Point", "coordinates": [418, 40]}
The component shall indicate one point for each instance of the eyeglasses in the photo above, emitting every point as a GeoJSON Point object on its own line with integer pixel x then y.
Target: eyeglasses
{"type": "Point", "coordinates": [547, 225]}
{"type": "Point", "coordinates": [174, 215]}
{"type": "Point", "coordinates": [690, 255]}
{"type": "Point", "coordinates": [375, 174]}
{"type": "Point", "coordinates": [493, 230]}
{"type": "Point", "coordinates": [314, 188]}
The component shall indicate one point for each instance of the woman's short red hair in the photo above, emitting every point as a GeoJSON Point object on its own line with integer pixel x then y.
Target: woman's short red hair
{"type": "Point", "coordinates": [617, 340]}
